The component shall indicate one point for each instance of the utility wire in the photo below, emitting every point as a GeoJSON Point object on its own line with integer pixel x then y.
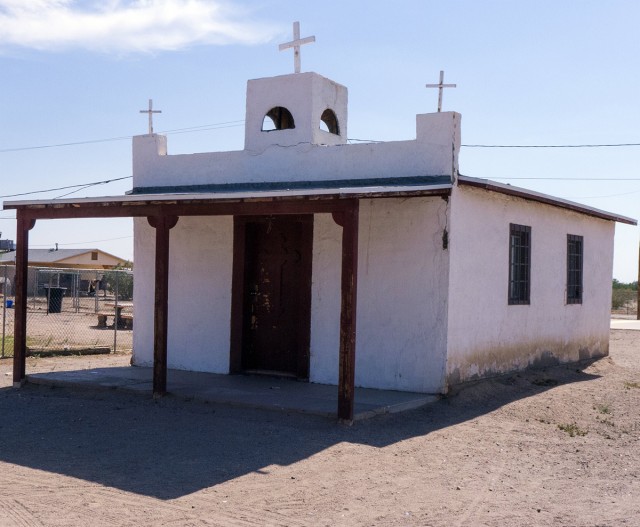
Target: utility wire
{"type": "Point", "coordinates": [200, 128]}
{"type": "Point", "coordinates": [83, 186]}
{"type": "Point", "coordinates": [613, 145]}
{"type": "Point", "coordinates": [86, 185]}
{"type": "Point", "coordinates": [86, 243]}
{"type": "Point", "coordinates": [232, 124]}
{"type": "Point", "coordinates": [568, 178]}
{"type": "Point", "coordinates": [40, 147]}
{"type": "Point", "coordinates": [76, 190]}
{"type": "Point", "coordinates": [564, 179]}
{"type": "Point", "coordinates": [604, 196]}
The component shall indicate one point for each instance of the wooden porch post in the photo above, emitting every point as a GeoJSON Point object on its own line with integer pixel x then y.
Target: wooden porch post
{"type": "Point", "coordinates": [20, 328]}
{"type": "Point", "coordinates": [349, 289]}
{"type": "Point", "coordinates": [162, 225]}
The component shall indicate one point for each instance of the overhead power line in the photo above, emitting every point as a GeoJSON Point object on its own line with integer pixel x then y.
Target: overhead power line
{"type": "Point", "coordinates": [82, 186]}
{"type": "Point", "coordinates": [200, 128]}
{"type": "Point", "coordinates": [86, 243]}
{"type": "Point", "coordinates": [612, 145]}
{"type": "Point", "coordinates": [609, 145]}
{"type": "Point", "coordinates": [569, 178]}
{"type": "Point", "coordinates": [85, 185]}
{"type": "Point", "coordinates": [240, 122]}
{"type": "Point", "coordinates": [57, 145]}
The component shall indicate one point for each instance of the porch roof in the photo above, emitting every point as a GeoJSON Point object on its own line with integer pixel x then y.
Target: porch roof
{"type": "Point", "coordinates": [197, 199]}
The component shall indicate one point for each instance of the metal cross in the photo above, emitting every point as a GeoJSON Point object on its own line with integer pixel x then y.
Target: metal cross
{"type": "Point", "coordinates": [440, 85]}
{"type": "Point", "coordinates": [295, 44]}
{"type": "Point", "coordinates": [150, 111]}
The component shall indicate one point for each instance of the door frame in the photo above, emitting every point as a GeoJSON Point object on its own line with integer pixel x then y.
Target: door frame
{"type": "Point", "coordinates": [240, 263]}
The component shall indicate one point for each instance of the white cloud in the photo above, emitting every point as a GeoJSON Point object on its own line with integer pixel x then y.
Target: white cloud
{"type": "Point", "coordinates": [125, 25]}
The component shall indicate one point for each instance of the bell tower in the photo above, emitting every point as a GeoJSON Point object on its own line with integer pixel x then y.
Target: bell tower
{"type": "Point", "coordinates": [289, 110]}
{"type": "Point", "coordinates": [295, 109]}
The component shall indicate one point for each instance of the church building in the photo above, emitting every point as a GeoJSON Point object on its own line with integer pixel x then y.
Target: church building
{"type": "Point", "coordinates": [457, 278]}
{"type": "Point", "coordinates": [374, 264]}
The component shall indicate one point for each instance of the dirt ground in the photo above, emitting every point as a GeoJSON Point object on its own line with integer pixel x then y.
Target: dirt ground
{"type": "Point", "coordinates": [70, 329]}
{"type": "Point", "coordinates": [553, 447]}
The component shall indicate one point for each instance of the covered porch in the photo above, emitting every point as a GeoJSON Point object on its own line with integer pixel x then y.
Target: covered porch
{"type": "Point", "coordinates": [163, 211]}
{"type": "Point", "coordinates": [245, 391]}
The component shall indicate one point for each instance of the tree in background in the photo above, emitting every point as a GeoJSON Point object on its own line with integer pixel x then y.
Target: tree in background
{"type": "Point", "coordinates": [120, 280]}
{"type": "Point", "coordinates": [623, 294]}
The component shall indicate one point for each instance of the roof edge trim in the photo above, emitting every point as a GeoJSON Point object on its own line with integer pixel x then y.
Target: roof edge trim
{"type": "Point", "coordinates": [531, 195]}
{"type": "Point", "coordinates": [326, 184]}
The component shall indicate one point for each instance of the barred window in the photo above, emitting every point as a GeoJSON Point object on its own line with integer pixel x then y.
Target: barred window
{"type": "Point", "coordinates": [574, 269]}
{"type": "Point", "coordinates": [519, 263]}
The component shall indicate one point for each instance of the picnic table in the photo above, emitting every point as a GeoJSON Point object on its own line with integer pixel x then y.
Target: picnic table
{"type": "Point", "coordinates": [120, 320]}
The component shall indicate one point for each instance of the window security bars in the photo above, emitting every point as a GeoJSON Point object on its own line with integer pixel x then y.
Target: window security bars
{"type": "Point", "coordinates": [519, 264]}
{"type": "Point", "coordinates": [574, 268]}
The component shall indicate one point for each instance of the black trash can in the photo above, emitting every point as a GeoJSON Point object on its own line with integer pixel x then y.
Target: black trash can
{"type": "Point", "coordinates": [54, 297]}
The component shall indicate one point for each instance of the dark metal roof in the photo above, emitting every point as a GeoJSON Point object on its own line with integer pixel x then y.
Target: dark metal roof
{"type": "Point", "coordinates": [274, 186]}
{"type": "Point", "coordinates": [531, 195]}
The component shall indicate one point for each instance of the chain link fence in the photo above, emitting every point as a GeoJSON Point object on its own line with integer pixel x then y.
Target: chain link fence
{"type": "Point", "coordinates": [70, 310]}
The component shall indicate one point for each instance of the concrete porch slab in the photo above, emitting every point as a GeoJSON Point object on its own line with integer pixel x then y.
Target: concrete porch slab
{"type": "Point", "coordinates": [239, 390]}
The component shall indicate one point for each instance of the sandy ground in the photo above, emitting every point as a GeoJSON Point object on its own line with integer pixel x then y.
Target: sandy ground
{"type": "Point", "coordinates": [553, 447]}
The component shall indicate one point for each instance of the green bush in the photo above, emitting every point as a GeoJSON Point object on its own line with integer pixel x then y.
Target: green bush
{"type": "Point", "coordinates": [622, 285]}
{"type": "Point", "coordinates": [621, 297]}
{"type": "Point", "coordinates": [121, 281]}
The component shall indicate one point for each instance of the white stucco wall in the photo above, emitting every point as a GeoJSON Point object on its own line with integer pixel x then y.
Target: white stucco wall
{"type": "Point", "coordinates": [402, 297]}
{"type": "Point", "coordinates": [199, 293]}
{"type": "Point", "coordinates": [433, 152]}
{"type": "Point", "coordinates": [401, 324]}
{"type": "Point", "coordinates": [488, 336]}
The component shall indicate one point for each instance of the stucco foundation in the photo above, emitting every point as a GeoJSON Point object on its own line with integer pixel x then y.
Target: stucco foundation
{"type": "Point", "coordinates": [497, 360]}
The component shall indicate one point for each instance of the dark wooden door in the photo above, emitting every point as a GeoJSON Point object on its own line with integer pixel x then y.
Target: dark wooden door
{"type": "Point", "coordinates": [277, 295]}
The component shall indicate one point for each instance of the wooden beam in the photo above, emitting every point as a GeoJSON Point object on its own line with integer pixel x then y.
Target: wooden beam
{"type": "Point", "coordinates": [349, 289]}
{"type": "Point", "coordinates": [237, 294]}
{"type": "Point", "coordinates": [162, 224]}
{"type": "Point", "coordinates": [20, 312]}
{"type": "Point", "coordinates": [193, 207]}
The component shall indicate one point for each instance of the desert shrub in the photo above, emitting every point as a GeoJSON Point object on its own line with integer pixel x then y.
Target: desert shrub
{"type": "Point", "coordinates": [621, 297]}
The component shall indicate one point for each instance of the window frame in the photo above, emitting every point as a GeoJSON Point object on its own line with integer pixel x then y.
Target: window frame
{"type": "Point", "coordinates": [575, 269]}
{"type": "Point", "coordinates": [519, 285]}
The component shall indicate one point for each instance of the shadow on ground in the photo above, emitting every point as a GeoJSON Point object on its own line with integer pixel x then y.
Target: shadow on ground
{"type": "Point", "coordinates": [169, 448]}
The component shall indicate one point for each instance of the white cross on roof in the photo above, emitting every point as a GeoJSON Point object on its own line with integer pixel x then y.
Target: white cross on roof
{"type": "Point", "coordinates": [150, 111]}
{"type": "Point", "coordinates": [295, 44]}
{"type": "Point", "coordinates": [440, 85]}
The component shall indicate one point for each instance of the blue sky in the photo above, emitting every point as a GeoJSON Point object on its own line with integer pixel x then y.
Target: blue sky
{"type": "Point", "coordinates": [528, 72]}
